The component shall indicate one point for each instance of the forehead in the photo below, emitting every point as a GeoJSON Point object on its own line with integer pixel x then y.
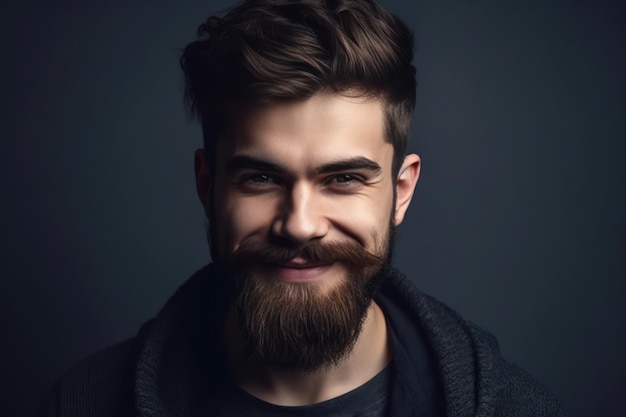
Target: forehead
{"type": "Point", "coordinates": [310, 131]}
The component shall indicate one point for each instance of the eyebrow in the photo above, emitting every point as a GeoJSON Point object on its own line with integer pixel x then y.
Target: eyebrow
{"type": "Point", "coordinates": [249, 162]}
{"type": "Point", "coordinates": [238, 162]}
{"type": "Point", "coordinates": [356, 163]}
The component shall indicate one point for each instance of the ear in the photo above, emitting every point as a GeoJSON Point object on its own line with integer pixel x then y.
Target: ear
{"type": "Point", "coordinates": [405, 185]}
{"type": "Point", "coordinates": [203, 179]}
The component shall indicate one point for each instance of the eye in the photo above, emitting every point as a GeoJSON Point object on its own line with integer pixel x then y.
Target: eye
{"type": "Point", "coordinates": [258, 182]}
{"type": "Point", "coordinates": [260, 178]}
{"type": "Point", "coordinates": [346, 182]}
{"type": "Point", "coordinates": [343, 178]}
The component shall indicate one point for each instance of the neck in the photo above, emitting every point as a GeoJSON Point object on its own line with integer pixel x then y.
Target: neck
{"type": "Point", "coordinates": [370, 354]}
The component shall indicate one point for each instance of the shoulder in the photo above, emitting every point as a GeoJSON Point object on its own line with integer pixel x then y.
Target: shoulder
{"type": "Point", "coordinates": [101, 384]}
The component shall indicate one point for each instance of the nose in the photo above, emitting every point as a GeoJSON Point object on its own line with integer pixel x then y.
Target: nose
{"type": "Point", "coordinates": [301, 217]}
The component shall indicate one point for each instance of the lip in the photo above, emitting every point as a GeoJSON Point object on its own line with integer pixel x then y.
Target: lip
{"type": "Point", "coordinates": [298, 270]}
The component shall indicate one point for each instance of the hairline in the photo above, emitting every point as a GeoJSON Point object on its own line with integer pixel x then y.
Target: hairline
{"type": "Point", "coordinates": [234, 107]}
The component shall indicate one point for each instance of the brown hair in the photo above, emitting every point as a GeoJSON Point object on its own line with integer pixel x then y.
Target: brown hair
{"type": "Point", "coordinates": [263, 51]}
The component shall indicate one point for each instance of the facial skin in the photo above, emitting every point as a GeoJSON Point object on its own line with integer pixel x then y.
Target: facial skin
{"type": "Point", "coordinates": [301, 174]}
{"type": "Point", "coordinates": [285, 174]}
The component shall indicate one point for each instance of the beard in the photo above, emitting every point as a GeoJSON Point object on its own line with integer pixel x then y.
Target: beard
{"type": "Point", "coordinates": [304, 326]}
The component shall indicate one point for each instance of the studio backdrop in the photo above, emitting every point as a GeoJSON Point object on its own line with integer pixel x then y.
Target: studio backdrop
{"type": "Point", "coordinates": [517, 222]}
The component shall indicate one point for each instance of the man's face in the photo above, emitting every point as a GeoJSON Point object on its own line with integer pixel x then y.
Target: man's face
{"type": "Point", "coordinates": [302, 209]}
{"type": "Point", "coordinates": [312, 170]}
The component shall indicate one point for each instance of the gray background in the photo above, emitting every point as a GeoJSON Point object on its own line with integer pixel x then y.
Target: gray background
{"type": "Point", "coordinates": [518, 220]}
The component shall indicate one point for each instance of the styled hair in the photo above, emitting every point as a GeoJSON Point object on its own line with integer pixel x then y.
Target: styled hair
{"type": "Point", "coordinates": [266, 51]}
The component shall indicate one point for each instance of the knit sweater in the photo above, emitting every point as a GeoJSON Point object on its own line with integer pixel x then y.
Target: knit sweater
{"type": "Point", "coordinates": [173, 367]}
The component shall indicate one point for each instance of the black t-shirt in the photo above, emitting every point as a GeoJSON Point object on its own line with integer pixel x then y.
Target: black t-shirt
{"type": "Point", "coordinates": [368, 400]}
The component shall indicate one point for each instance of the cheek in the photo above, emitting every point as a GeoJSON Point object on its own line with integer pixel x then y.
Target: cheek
{"type": "Point", "coordinates": [241, 218]}
{"type": "Point", "coordinates": [365, 219]}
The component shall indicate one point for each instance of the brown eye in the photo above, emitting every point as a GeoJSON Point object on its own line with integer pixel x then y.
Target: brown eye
{"type": "Point", "coordinates": [260, 178]}
{"type": "Point", "coordinates": [345, 182]}
{"type": "Point", "coordinates": [344, 178]}
{"type": "Point", "coordinates": [256, 182]}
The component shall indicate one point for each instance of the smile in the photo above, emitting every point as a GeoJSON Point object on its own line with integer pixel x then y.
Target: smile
{"type": "Point", "coordinates": [299, 270]}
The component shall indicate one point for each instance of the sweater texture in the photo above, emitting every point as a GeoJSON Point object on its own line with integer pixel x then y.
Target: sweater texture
{"type": "Point", "coordinates": [175, 366]}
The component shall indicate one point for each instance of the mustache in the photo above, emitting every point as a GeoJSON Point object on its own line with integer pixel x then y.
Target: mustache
{"type": "Point", "coordinates": [346, 252]}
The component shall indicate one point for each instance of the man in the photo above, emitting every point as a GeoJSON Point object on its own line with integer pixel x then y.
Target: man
{"type": "Point", "coordinates": [305, 108]}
